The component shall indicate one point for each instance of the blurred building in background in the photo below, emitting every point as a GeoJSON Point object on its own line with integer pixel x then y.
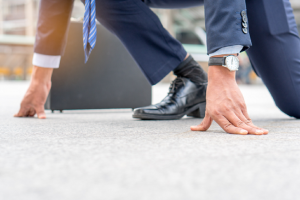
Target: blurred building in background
{"type": "Point", "coordinates": [17, 30]}
{"type": "Point", "coordinates": [18, 19]}
{"type": "Point", "coordinates": [296, 7]}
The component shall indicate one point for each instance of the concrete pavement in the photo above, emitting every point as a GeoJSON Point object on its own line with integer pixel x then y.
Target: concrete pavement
{"type": "Point", "coordinates": [105, 154]}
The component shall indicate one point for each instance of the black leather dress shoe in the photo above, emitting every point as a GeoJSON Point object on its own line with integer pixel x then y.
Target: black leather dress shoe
{"type": "Point", "coordinates": [184, 98]}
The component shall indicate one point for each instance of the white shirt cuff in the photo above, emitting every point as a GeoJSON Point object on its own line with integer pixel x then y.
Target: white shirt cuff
{"type": "Point", "coordinates": [46, 61]}
{"type": "Point", "coordinates": [228, 50]}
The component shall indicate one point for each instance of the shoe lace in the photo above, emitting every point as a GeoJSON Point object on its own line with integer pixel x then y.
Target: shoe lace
{"type": "Point", "coordinates": [174, 85]}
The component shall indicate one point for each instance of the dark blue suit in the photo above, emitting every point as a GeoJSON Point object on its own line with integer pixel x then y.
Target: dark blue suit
{"type": "Point", "coordinates": [275, 51]}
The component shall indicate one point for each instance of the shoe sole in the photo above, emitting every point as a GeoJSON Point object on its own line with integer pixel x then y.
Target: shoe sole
{"type": "Point", "coordinates": [197, 111]}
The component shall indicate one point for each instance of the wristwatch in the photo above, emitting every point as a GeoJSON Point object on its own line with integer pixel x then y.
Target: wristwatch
{"type": "Point", "coordinates": [230, 62]}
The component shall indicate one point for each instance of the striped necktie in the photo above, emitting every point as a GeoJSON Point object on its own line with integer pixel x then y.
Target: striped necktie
{"type": "Point", "coordinates": [89, 28]}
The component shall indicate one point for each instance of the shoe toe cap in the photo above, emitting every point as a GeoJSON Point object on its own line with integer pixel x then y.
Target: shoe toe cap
{"type": "Point", "coordinates": [147, 110]}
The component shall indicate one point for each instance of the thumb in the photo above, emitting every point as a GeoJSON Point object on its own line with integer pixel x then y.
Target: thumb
{"type": "Point", "coordinates": [40, 111]}
{"type": "Point", "coordinates": [205, 124]}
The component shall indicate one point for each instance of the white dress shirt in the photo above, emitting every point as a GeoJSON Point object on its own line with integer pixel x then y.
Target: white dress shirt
{"type": "Point", "coordinates": [235, 49]}
{"type": "Point", "coordinates": [46, 61]}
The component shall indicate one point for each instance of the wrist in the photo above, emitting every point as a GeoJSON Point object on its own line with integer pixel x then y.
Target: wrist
{"type": "Point", "coordinates": [220, 73]}
{"type": "Point", "coordinates": [41, 75]}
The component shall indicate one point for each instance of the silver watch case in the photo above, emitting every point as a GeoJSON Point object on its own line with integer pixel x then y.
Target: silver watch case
{"type": "Point", "coordinates": [231, 62]}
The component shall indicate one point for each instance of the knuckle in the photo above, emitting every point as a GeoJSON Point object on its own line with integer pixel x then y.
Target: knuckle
{"type": "Point", "coordinates": [227, 126]}
{"type": "Point", "coordinates": [248, 122]}
{"type": "Point", "coordinates": [242, 104]}
{"type": "Point", "coordinates": [227, 109]}
{"type": "Point", "coordinates": [236, 108]}
{"type": "Point", "coordinates": [215, 112]}
{"type": "Point", "coordinates": [244, 109]}
{"type": "Point", "coordinates": [240, 123]}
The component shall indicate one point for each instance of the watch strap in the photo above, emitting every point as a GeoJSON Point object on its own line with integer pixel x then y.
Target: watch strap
{"type": "Point", "coordinates": [216, 61]}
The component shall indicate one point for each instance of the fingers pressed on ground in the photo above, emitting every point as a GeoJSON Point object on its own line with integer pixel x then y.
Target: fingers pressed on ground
{"type": "Point", "coordinates": [229, 127]}
{"type": "Point", "coordinates": [41, 112]}
{"type": "Point", "coordinates": [245, 118]}
{"type": "Point", "coordinates": [205, 124]}
{"type": "Point", "coordinates": [237, 122]}
{"type": "Point", "coordinates": [31, 112]}
{"type": "Point", "coordinates": [22, 112]}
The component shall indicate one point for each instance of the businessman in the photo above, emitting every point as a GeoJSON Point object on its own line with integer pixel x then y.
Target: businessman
{"type": "Point", "coordinates": [275, 56]}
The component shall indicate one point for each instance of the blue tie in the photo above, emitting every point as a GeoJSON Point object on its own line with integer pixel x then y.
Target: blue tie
{"type": "Point", "coordinates": [89, 28]}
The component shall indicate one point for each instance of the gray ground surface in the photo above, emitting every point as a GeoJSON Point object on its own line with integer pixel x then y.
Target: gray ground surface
{"type": "Point", "coordinates": [105, 154]}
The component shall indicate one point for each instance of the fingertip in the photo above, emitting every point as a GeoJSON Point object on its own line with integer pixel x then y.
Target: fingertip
{"type": "Point", "coordinates": [42, 116]}
{"type": "Point", "coordinates": [197, 128]}
{"type": "Point", "coordinates": [243, 132]}
{"type": "Point", "coordinates": [266, 131]}
{"type": "Point", "coordinates": [259, 132]}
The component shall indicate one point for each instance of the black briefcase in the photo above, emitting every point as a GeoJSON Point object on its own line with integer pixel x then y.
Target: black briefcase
{"type": "Point", "coordinates": [110, 78]}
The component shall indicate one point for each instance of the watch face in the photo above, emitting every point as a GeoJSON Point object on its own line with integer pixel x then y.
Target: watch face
{"type": "Point", "coordinates": [232, 63]}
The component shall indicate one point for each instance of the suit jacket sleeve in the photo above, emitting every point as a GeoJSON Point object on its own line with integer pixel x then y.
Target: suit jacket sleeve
{"type": "Point", "coordinates": [52, 27]}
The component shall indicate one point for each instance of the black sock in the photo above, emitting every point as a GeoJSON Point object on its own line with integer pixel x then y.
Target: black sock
{"type": "Point", "coordinates": [190, 69]}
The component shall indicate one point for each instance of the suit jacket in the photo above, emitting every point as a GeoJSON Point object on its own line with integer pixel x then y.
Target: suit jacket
{"type": "Point", "coordinates": [53, 23]}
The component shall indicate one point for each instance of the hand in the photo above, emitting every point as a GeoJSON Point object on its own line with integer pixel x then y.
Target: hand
{"type": "Point", "coordinates": [36, 95]}
{"type": "Point", "coordinates": [225, 105]}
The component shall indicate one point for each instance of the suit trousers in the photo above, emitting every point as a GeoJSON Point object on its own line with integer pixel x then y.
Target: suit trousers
{"type": "Point", "coordinates": [275, 54]}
